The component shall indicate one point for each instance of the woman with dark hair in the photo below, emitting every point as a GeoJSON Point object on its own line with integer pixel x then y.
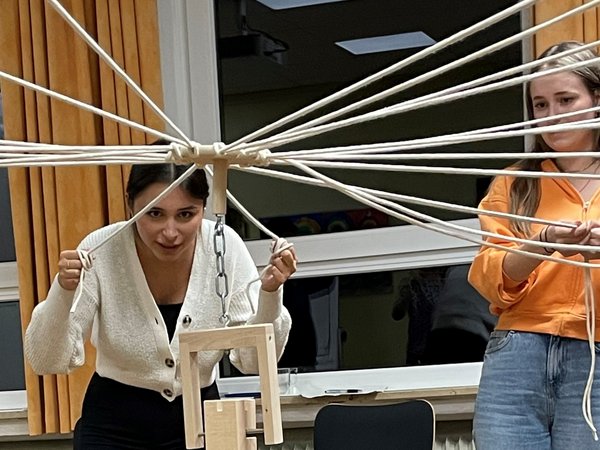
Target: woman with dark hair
{"type": "Point", "coordinates": [147, 284]}
{"type": "Point", "coordinates": [537, 372]}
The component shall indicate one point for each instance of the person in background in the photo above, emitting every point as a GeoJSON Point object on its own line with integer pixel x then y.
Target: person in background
{"type": "Point", "coordinates": [461, 324]}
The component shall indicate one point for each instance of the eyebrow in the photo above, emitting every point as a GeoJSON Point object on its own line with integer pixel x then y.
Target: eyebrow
{"type": "Point", "coordinates": [557, 93]}
{"type": "Point", "coordinates": [187, 208]}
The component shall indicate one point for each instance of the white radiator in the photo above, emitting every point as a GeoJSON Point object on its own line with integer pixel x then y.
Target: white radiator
{"type": "Point", "coordinates": [459, 443]}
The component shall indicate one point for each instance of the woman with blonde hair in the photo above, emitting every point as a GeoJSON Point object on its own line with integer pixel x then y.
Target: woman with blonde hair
{"type": "Point", "coordinates": [537, 363]}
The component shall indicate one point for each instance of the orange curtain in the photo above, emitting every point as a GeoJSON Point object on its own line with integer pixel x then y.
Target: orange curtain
{"type": "Point", "coordinates": [581, 27]}
{"type": "Point", "coordinates": [54, 208]}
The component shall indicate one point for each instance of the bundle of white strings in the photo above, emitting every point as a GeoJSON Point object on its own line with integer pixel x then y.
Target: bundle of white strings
{"type": "Point", "coordinates": [366, 196]}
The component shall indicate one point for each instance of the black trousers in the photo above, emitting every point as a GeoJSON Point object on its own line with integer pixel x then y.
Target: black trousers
{"type": "Point", "coordinates": [122, 417]}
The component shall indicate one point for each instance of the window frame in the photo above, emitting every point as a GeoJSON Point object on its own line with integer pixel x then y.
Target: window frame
{"type": "Point", "coordinates": [9, 292]}
{"type": "Point", "coordinates": [185, 21]}
{"type": "Point", "coordinates": [188, 58]}
{"type": "Point", "coordinates": [9, 281]}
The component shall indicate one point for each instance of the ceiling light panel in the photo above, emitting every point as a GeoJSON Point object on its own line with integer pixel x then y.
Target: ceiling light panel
{"type": "Point", "coordinates": [378, 44]}
{"type": "Point", "coordinates": [288, 4]}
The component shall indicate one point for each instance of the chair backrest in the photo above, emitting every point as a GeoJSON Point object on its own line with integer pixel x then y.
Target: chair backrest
{"type": "Point", "coordinates": [409, 425]}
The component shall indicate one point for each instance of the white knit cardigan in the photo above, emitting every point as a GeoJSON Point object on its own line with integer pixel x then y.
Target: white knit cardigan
{"type": "Point", "coordinates": [126, 327]}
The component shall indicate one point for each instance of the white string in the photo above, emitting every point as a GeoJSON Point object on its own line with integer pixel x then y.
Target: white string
{"type": "Point", "coordinates": [413, 82]}
{"type": "Point", "coordinates": [278, 246]}
{"type": "Point", "coordinates": [164, 153]}
{"type": "Point", "coordinates": [245, 212]}
{"type": "Point", "coordinates": [354, 192]}
{"type": "Point", "coordinates": [86, 107]}
{"type": "Point", "coordinates": [590, 318]}
{"type": "Point", "coordinates": [361, 195]}
{"type": "Point", "coordinates": [457, 37]}
{"type": "Point", "coordinates": [170, 188]}
{"type": "Point", "coordinates": [440, 170]}
{"type": "Point", "coordinates": [430, 101]}
{"type": "Point", "coordinates": [408, 199]}
{"type": "Point", "coordinates": [24, 144]}
{"type": "Point", "coordinates": [176, 152]}
{"type": "Point", "coordinates": [114, 66]}
{"type": "Point", "coordinates": [139, 153]}
{"type": "Point", "coordinates": [436, 141]}
{"type": "Point", "coordinates": [86, 256]}
{"type": "Point", "coordinates": [35, 147]}
{"type": "Point", "coordinates": [86, 264]}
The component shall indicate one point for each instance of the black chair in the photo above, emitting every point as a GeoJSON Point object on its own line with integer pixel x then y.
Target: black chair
{"type": "Point", "coordinates": [409, 425]}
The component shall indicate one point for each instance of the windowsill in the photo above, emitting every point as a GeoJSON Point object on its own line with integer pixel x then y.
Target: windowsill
{"type": "Point", "coordinates": [448, 404]}
{"type": "Point", "coordinates": [450, 388]}
{"type": "Point", "coordinates": [9, 286]}
{"type": "Point", "coordinates": [12, 401]}
{"type": "Point", "coordinates": [380, 249]}
{"type": "Point", "coordinates": [13, 415]}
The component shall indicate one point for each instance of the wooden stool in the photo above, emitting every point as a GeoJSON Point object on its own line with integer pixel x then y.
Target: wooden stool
{"type": "Point", "coordinates": [227, 421]}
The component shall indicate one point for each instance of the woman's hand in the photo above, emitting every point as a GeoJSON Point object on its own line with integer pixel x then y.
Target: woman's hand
{"type": "Point", "coordinates": [69, 269]}
{"type": "Point", "coordinates": [593, 238]}
{"type": "Point", "coordinates": [282, 266]}
{"type": "Point", "coordinates": [579, 235]}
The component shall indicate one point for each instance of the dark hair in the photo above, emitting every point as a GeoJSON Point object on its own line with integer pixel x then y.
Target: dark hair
{"type": "Point", "coordinates": [143, 175]}
{"type": "Point", "coordinates": [525, 192]}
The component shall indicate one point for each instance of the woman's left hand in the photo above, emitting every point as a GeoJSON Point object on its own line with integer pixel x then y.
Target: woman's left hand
{"type": "Point", "coordinates": [593, 238]}
{"type": "Point", "coordinates": [282, 266]}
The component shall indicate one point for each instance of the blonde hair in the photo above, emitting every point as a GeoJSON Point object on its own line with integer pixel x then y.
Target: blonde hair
{"type": "Point", "coordinates": [525, 192]}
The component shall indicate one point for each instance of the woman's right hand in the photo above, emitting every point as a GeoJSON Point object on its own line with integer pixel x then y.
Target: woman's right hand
{"type": "Point", "coordinates": [69, 269]}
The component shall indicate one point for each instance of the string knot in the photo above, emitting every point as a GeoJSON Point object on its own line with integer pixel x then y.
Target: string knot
{"type": "Point", "coordinates": [85, 258]}
{"type": "Point", "coordinates": [178, 152]}
{"type": "Point", "coordinates": [86, 264]}
{"type": "Point", "coordinates": [218, 148]}
{"type": "Point", "coordinates": [185, 154]}
{"type": "Point", "coordinates": [252, 157]}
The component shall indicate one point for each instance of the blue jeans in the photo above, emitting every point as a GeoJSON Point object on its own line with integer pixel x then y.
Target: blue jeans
{"type": "Point", "coordinates": [531, 392]}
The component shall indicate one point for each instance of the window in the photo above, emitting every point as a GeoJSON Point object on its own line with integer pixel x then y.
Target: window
{"type": "Point", "coordinates": [384, 319]}
{"type": "Point", "coordinates": [7, 245]}
{"type": "Point", "coordinates": [291, 61]}
{"type": "Point", "coordinates": [12, 376]}
{"type": "Point", "coordinates": [294, 61]}
{"type": "Point", "coordinates": [256, 90]}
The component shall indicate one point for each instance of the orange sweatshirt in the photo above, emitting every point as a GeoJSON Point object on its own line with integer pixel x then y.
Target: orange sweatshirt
{"type": "Point", "coordinates": [552, 299]}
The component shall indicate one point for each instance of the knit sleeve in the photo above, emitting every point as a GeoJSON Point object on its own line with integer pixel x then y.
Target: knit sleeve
{"type": "Point", "coordinates": [55, 337]}
{"type": "Point", "coordinates": [251, 305]}
{"type": "Point", "coordinates": [54, 340]}
{"type": "Point", "coordinates": [486, 273]}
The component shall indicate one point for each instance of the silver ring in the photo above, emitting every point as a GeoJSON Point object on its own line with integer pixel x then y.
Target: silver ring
{"type": "Point", "coordinates": [68, 266]}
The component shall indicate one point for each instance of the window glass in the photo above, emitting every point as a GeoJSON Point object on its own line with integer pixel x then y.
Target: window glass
{"type": "Point", "coordinates": [385, 319]}
{"type": "Point", "coordinates": [12, 376]}
{"type": "Point", "coordinates": [7, 245]}
{"type": "Point", "coordinates": [1, 119]}
{"type": "Point", "coordinates": [291, 60]}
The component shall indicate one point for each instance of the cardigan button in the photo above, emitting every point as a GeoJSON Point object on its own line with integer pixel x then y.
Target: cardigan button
{"type": "Point", "coordinates": [169, 362]}
{"type": "Point", "coordinates": [187, 320]}
{"type": "Point", "coordinates": [168, 392]}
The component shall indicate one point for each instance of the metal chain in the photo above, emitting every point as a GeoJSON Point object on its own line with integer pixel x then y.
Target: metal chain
{"type": "Point", "coordinates": [221, 283]}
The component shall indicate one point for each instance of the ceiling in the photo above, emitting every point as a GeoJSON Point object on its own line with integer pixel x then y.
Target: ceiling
{"type": "Point", "coordinates": [311, 32]}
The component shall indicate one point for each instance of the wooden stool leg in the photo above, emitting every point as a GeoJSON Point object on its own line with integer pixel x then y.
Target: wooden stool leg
{"type": "Point", "coordinates": [227, 422]}
{"type": "Point", "coordinates": [269, 389]}
{"type": "Point", "coordinates": [192, 400]}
